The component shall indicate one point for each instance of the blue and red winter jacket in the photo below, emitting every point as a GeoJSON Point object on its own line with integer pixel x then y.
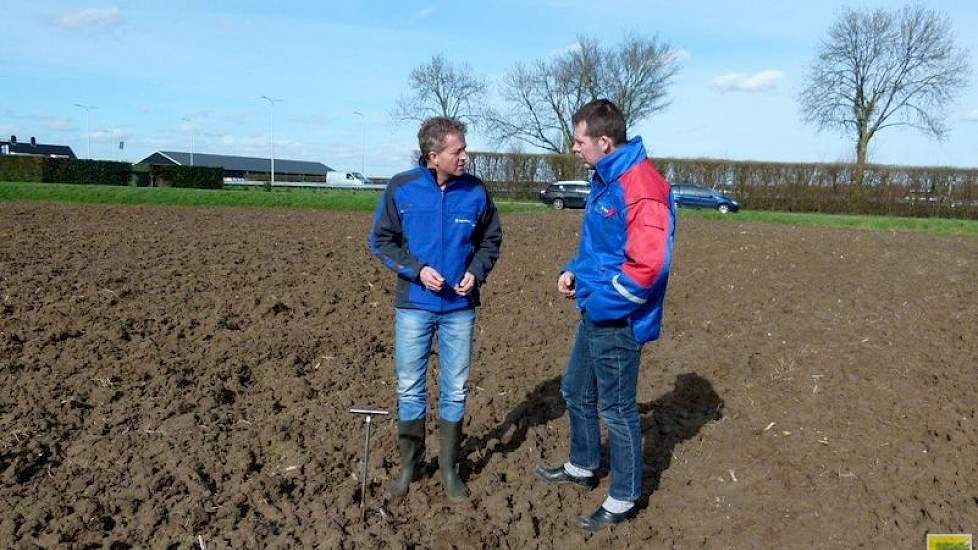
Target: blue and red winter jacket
{"type": "Point", "coordinates": [622, 265]}
{"type": "Point", "coordinates": [453, 231]}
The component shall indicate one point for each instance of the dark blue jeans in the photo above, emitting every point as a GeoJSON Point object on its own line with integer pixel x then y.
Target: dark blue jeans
{"type": "Point", "coordinates": [601, 380]}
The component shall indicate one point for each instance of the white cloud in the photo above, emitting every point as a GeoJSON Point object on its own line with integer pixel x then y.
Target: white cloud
{"type": "Point", "coordinates": [88, 18]}
{"type": "Point", "coordinates": [741, 82]}
{"type": "Point", "coordinates": [972, 116]}
{"type": "Point", "coordinates": [425, 12]}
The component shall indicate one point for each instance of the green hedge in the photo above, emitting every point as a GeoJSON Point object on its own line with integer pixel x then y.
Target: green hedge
{"type": "Point", "coordinates": [788, 187]}
{"type": "Point", "coordinates": [103, 172]}
{"type": "Point", "coordinates": [17, 168]}
{"type": "Point", "coordinates": [60, 170]}
{"type": "Point", "coordinates": [523, 175]}
{"type": "Point", "coordinates": [197, 177]}
{"type": "Point", "coordinates": [827, 187]}
{"type": "Point", "coordinates": [90, 172]}
{"type": "Point", "coordinates": [140, 176]}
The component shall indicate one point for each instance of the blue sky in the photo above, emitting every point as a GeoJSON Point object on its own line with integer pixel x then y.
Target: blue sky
{"type": "Point", "coordinates": [159, 73]}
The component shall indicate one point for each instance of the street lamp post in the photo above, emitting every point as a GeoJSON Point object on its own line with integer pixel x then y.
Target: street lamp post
{"type": "Point", "coordinates": [271, 133]}
{"type": "Point", "coordinates": [193, 136]}
{"type": "Point", "coordinates": [88, 125]}
{"type": "Point", "coordinates": [363, 143]}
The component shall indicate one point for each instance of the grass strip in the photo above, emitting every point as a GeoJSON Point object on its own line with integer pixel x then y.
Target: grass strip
{"type": "Point", "coordinates": [366, 200]}
{"type": "Point", "coordinates": [939, 226]}
{"type": "Point", "coordinates": [318, 199]}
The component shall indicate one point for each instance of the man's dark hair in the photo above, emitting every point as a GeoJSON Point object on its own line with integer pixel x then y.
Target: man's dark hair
{"type": "Point", "coordinates": [431, 136]}
{"type": "Point", "coordinates": [603, 119]}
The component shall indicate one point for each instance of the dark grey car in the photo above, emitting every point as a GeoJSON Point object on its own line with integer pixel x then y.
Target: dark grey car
{"type": "Point", "coordinates": [566, 194]}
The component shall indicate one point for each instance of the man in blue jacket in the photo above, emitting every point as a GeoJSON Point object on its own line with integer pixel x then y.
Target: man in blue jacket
{"type": "Point", "coordinates": [438, 229]}
{"type": "Point", "coordinates": [619, 280]}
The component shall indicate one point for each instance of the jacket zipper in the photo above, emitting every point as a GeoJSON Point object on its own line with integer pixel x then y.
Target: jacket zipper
{"type": "Point", "coordinates": [441, 240]}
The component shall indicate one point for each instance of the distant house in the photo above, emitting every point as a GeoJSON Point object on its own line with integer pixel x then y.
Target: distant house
{"type": "Point", "coordinates": [243, 169]}
{"type": "Point", "coordinates": [35, 149]}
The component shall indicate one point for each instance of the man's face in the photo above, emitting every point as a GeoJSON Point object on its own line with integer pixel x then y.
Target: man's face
{"type": "Point", "coordinates": [589, 149]}
{"type": "Point", "coordinates": [451, 160]}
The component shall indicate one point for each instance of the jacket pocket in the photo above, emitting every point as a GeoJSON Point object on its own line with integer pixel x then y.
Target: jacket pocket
{"type": "Point", "coordinates": [421, 231]}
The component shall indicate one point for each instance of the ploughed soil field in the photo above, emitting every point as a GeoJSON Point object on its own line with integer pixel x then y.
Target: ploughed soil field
{"type": "Point", "coordinates": [174, 376]}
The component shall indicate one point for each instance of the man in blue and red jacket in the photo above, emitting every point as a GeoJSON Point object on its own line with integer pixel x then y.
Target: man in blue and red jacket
{"type": "Point", "coordinates": [437, 228]}
{"type": "Point", "coordinates": [619, 279]}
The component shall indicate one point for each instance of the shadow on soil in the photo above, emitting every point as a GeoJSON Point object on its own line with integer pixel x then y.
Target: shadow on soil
{"type": "Point", "coordinates": [666, 422]}
{"type": "Point", "coordinates": [542, 405]}
{"type": "Point", "coordinates": [672, 419]}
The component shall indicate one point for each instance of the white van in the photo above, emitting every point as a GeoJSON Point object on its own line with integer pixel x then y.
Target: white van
{"type": "Point", "coordinates": [345, 179]}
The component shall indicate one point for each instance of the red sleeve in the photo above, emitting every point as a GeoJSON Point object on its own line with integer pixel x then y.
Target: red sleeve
{"type": "Point", "coordinates": [647, 223]}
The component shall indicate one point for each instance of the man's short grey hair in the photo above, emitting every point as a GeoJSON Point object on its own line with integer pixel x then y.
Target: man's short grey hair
{"type": "Point", "coordinates": [431, 136]}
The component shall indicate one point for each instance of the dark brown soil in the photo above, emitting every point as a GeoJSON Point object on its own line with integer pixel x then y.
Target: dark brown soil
{"type": "Point", "coordinates": [173, 373]}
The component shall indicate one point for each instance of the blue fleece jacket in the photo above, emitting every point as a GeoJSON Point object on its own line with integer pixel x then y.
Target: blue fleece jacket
{"type": "Point", "coordinates": [453, 231]}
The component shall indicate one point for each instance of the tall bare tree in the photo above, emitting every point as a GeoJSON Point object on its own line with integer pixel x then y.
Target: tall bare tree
{"type": "Point", "coordinates": [540, 98]}
{"type": "Point", "coordinates": [878, 69]}
{"type": "Point", "coordinates": [440, 88]}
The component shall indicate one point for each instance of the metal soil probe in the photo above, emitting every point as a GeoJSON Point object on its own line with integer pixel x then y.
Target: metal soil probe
{"type": "Point", "coordinates": [368, 415]}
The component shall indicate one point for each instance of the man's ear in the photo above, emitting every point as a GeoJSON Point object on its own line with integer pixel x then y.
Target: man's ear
{"type": "Point", "coordinates": [605, 143]}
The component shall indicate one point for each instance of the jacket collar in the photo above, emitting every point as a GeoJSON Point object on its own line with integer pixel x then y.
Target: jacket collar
{"type": "Point", "coordinates": [431, 175]}
{"type": "Point", "coordinates": [619, 161]}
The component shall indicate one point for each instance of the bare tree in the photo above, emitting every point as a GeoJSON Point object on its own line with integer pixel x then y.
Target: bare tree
{"type": "Point", "coordinates": [878, 69]}
{"type": "Point", "coordinates": [637, 75]}
{"type": "Point", "coordinates": [440, 88]}
{"type": "Point", "coordinates": [541, 98]}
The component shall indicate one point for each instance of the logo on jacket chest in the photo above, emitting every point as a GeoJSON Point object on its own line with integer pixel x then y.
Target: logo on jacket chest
{"type": "Point", "coordinates": [606, 210]}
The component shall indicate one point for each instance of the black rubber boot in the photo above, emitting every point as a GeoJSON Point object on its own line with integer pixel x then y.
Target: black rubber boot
{"type": "Point", "coordinates": [450, 435]}
{"type": "Point", "coordinates": [410, 440]}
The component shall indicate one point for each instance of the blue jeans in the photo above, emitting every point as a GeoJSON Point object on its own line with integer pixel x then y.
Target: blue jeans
{"type": "Point", "coordinates": [601, 380]}
{"type": "Point", "coordinates": [413, 332]}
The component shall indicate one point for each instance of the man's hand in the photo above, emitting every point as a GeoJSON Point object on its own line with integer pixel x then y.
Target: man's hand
{"type": "Point", "coordinates": [565, 284]}
{"type": "Point", "coordinates": [431, 279]}
{"type": "Point", "coordinates": [465, 286]}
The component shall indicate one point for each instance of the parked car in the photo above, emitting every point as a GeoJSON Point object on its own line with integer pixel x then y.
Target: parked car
{"type": "Point", "coordinates": [689, 195]}
{"type": "Point", "coordinates": [569, 194]}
